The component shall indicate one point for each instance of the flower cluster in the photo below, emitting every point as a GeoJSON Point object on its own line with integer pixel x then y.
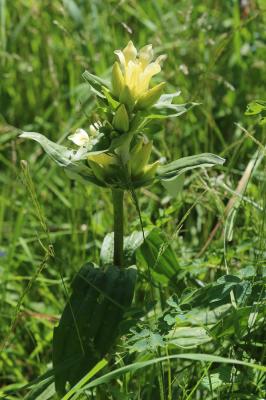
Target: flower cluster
{"type": "Point", "coordinates": [132, 74]}
{"type": "Point", "coordinates": [115, 152]}
{"type": "Point", "coordinates": [126, 163]}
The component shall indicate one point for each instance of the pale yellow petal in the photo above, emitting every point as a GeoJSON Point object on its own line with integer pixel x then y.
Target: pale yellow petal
{"type": "Point", "coordinates": [151, 70]}
{"type": "Point", "coordinates": [161, 58]}
{"type": "Point", "coordinates": [121, 57]}
{"type": "Point", "coordinates": [138, 68]}
{"type": "Point", "coordinates": [133, 72]}
{"type": "Point", "coordinates": [145, 55]}
{"type": "Point", "coordinates": [130, 52]}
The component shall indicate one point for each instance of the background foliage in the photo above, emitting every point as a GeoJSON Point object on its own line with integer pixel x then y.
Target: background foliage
{"type": "Point", "coordinates": [49, 225]}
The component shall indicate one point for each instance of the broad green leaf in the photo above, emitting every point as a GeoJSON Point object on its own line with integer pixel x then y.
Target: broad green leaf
{"type": "Point", "coordinates": [238, 322]}
{"type": "Point", "coordinates": [194, 317]}
{"type": "Point", "coordinates": [188, 337]}
{"type": "Point", "coordinates": [90, 321]}
{"type": "Point", "coordinates": [131, 244]}
{"type": "Point", "coordinates": [107, 249]}
{"type": "Point", "coordinates": [218, 293]}
{"type": "Point", "coordinates": [220, 376]}
{"type": "Point", "coordinates": [159, 256]}
{"type": "Point", "coordinates": [155, 251]}
{"type": "Point", "coordinates": [184, 164]}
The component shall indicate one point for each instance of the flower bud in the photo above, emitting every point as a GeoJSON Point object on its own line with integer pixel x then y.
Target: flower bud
{"type": "Point", "coordinates": [130, 52]}
{"type": "Point", "coordinates": [98, 170]}
{"type": "Point", "coordinates": [146, 176]}
{"type": "Point", "coordinates": [150, 97]}
{"type": "Point", "coordinates": [120, 121]}
{"type": "Point", "coordinates": [139, 157]}
{"type": "Point", "coordinates": [102, 165]}
{"type": "Point", "coordinates": [149, 171]}
{"type": "Point", "coordinates": [117, 80]}
{"type": "Point", "coordinates": [127, 98]}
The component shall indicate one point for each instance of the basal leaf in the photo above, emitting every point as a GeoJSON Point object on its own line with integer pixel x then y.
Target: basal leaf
{"type": "Point", "coordinates": [90, 321]}
{"type": "Point", "coordinates": [155, 251]}
{"type": "Point", "coordinates": [131, 244]}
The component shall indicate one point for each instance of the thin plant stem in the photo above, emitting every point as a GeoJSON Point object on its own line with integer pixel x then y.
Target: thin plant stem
{"type": "Point", "coordinates": [118, 204]}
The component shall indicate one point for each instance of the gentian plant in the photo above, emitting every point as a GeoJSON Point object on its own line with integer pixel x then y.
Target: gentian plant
{"type": "Point", "coordinates": [114, 153]}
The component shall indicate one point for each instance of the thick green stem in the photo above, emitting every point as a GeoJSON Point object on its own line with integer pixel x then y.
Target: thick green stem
{"type": "Point", "coordinates": [118, 197]}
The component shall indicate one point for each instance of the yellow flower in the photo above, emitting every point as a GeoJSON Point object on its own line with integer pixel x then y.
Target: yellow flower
{"type": "Point", "coordinates": [133, 73]}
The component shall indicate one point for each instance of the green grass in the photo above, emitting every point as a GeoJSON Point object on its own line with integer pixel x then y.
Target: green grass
{"type": "Point", "coordinates": [216, 57]}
